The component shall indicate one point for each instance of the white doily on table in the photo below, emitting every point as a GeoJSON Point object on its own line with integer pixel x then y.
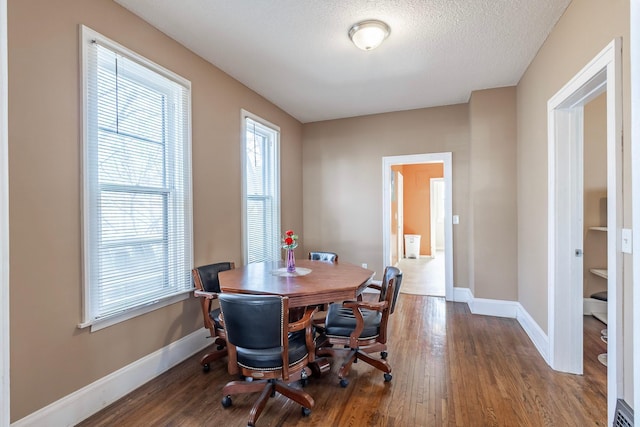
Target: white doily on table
{"type": "Point", "coordinates": [282, 272]}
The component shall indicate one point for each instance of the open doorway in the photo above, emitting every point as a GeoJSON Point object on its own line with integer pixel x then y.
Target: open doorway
{"type": "Point", "coordinates": [421, 200]}
{"type": "Point", "coordinates": [595, 272]}
{"type": "Point", "coordinates": [595, 232]}
{"type": "Point", "coordinates": [420, 269]}
{"type": "Point", "coordinates": [566, 218]}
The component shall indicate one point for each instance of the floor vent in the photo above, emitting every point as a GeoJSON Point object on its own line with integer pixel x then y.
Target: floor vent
{"type": "Point", "coordinates": [623, 416]}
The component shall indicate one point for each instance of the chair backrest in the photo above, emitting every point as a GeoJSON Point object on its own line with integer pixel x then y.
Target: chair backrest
{"type": "Point", "coordinates": [254, 321]}
{"type": "Point", "coordinates": [392, 280]}
{"type": "Point", "coordinates": [324, 256]}
{"type": "Point", "coordinates": [392, 275]}
{"type": "Point", "coordinates": [206, 277]}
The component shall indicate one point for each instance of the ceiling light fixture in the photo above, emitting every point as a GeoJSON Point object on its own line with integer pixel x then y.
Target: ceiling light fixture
{"type": "Point", "coordinates": [368, 35]}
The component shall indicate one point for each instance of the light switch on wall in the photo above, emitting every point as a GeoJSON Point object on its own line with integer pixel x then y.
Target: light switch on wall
{"type": "Point", "coordinates": [456, 219]}
{"type": "Point", "coordinates": [627, 240]}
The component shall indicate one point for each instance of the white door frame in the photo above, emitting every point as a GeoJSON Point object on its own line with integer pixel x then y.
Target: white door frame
{"type": "Point", "coordinates": [635, 185]}
{"type": "Point", "coordinates": [433, 215]}
{"type": "Point", "coordinates": [400, 210]}
{"type": "Point", "coordinates": [4, 225]}
{"type": "Point", "coordinates": [565, 294]}
{"type": "Point", "coordinates": [414, 159]}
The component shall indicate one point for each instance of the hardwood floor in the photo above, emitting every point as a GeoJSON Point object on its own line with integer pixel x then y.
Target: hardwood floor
{"type": "Point", "coordinates": [450, 368]}
{"type": "Point", "coordinates": [423, 276]}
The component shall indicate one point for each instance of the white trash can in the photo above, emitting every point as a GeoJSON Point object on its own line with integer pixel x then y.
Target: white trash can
{"type": "Point", "coordinates": [412, 246]}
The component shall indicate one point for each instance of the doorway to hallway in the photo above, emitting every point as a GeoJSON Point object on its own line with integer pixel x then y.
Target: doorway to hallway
{"type": "Point", "coordinates": [392, 253]}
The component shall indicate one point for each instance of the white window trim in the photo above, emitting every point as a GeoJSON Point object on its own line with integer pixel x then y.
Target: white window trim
{"type": "Point", "coordinates": [105, 322]}
{"type": "Point", "coordinates": [86, 35]}
{"type": "Point", "coordinates": [243, 149]}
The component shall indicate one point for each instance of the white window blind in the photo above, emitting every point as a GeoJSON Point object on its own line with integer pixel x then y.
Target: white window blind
{"type": "Point", "coordinates": [137, 185]}
{"type": "Point", "coordinates": [261, 167]}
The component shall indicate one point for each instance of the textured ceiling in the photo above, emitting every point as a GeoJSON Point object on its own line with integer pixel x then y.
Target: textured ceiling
{"type": "Point", "coordinates": [297, 53]}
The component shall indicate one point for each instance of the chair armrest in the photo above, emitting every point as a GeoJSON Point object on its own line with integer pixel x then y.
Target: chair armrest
{"type": "Point", "coordinates": [371, 305]}
{"type": "Point", "coordinates": [305, 321]}
{"type": "Point", "coordinates": [205, 294]}
{"type": "Point", "coordinates": [374, 286]}
{"type": "Point", "coordinates": [304, 324]}
{"type": "Point", "coordinates": [355, 306]}
{"type": "Point", "coordinates": [206, 299]}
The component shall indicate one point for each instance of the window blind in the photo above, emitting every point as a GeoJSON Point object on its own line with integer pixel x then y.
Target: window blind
{"type": "Point", "coordinates": [262, 186]}
{"type": "Point", "coordinates": [138, 234]}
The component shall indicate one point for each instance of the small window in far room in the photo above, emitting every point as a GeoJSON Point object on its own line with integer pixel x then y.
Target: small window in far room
{"type": "Point", "coordinates": [137, 183]}
{"type": "Point", "coordinates": [261, 189]}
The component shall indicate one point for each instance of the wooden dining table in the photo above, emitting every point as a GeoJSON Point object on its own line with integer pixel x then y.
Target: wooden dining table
{"type": "Point", "coordinates": [314, 282]}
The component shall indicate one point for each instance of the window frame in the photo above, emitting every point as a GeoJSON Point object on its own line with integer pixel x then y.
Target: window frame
{"type": "Point", "coordinates": [89, 194]}
{"type": "Point", "coordinates": [276, 176]}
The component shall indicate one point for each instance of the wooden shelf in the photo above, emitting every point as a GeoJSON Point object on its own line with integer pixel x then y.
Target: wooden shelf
{"type": "Point", "coordinates": [602, 272]}
{"type": "Point", "coordinates": [598, 228]}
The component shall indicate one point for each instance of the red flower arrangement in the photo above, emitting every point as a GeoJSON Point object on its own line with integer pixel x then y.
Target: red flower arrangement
{"type": "Point", "coordinates": [289, 241]}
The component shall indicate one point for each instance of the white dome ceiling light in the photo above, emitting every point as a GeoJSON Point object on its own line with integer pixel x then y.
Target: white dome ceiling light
{"type": "Point", "coordinates": [368, 35]}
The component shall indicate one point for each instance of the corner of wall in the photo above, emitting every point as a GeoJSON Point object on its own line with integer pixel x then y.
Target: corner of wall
{"type": "Point", "coordinates": [509, 309]}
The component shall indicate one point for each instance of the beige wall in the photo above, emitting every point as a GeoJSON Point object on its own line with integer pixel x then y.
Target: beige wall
{"type": "Point", "coordinates": [586, 27]}
{"type": "Point", "coordinates": [492, 185]}
{"type": "Point", "coordinates": [50, 357]}
{"type": "Point", "coordinates": [342, 170]}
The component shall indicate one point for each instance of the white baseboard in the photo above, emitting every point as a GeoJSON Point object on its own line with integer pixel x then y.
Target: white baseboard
{"type": "Point", "coordinates": [534, 331]}
{"type": "Point", "coordinates": [493, 307]}
{"type": "Point", "coordinates": [462, 295]}
{"type": "Point", "coordinates": [90, 399]}
{"type": "Point", "coordinates": [510, 309]}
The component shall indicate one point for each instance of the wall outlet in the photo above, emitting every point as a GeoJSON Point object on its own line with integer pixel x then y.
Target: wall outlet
{"type": "Point", "coordinates": [364, 265]}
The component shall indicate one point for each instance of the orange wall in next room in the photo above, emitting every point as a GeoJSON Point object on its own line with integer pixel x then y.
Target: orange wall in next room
{"type": "Point", "coordinates": [417, 201]}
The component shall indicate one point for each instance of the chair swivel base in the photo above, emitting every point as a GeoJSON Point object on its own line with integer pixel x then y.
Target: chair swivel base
{"type": "Point", "coordinates": [320, 367]}
{"type": "Point", "coordinates": [268, 389]}
{"type": "Point", "coordinates": [356, 354]}
{"type": "Point", "coordinates": [219, 353]}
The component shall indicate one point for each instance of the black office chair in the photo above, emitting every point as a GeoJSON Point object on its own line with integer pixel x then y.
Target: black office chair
{"type": "Point", "coordinates": [331, 257]}
{"type": "Point", "coordinates": [205, 279]}
{"type": "Point", "coordinates": [360, 327]}
{"type": "Point", "coordinates": [267, 348]}
{"type": "Point", "coordinates": [324, 256]}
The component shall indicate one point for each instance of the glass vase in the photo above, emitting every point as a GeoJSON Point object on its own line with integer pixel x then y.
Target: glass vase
{"type": "Point", "coordinates": [291, 261]}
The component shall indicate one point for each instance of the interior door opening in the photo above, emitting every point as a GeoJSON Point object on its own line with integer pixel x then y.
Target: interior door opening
{"type": "Point", "coordinates": [416, 172]}
{"type": "Point", "coordinates": [595, 272]}
{"type": "Point", "coordinates": [565, 227]}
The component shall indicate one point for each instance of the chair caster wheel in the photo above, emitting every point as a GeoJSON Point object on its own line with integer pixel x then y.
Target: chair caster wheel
{"type": "Point", "coordinates": [383, 354]}
{"type": "Point", "coordinates": [344, 382]}
{"type": "Point", "coordinates": [306, 412]}
{"type": "Point", "coordinates": [220, 347]}
{"type": "Point", "coordinates": [206, 367]}
{"type": "Point", "coordinates": [387, 377]}
{"type": "Point", "coordinates": [226, 402]}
